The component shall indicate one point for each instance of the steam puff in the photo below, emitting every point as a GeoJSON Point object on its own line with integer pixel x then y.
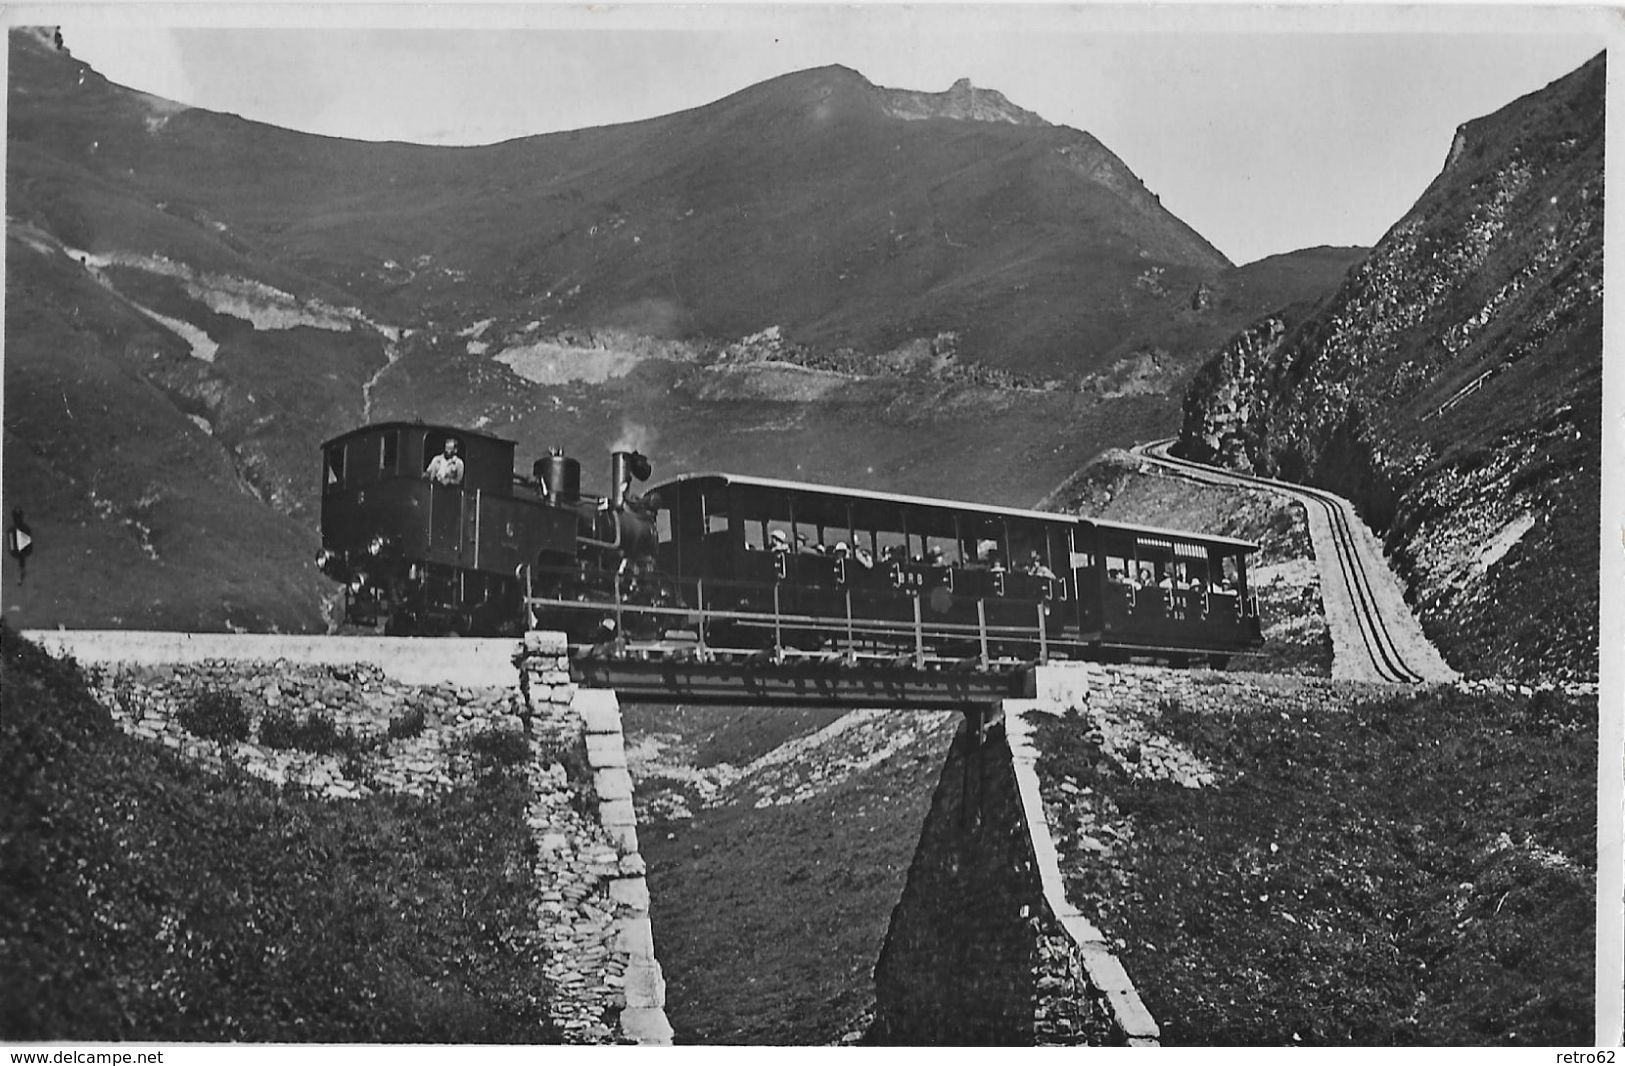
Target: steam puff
{"type": "Point", "coordinates": [635, 437]}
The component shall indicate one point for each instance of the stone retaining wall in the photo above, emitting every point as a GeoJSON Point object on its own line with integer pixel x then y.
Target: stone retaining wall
{"type": "Point", "coordinates": [596, 721]}
{"type": "Point", "coordinates": [591, 902]}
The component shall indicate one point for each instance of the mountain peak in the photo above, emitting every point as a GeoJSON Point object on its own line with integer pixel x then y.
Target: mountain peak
{"type": "Point", "coordinates": [962, 100]}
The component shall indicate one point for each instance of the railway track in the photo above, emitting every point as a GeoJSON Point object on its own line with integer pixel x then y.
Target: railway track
{"type": "Point", "coordinates": [1375, 636]}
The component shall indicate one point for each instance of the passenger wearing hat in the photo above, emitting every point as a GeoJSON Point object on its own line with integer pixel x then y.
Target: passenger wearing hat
{"type": "Point", "coordinates": [778, 541]}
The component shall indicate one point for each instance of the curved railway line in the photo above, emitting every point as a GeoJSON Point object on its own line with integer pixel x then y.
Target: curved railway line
{"type": "Point", "coordinates": [1375, 635]}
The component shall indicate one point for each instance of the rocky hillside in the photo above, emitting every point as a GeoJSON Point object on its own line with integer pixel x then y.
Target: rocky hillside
{"type": "Point", "coordinates": [1452, 388]}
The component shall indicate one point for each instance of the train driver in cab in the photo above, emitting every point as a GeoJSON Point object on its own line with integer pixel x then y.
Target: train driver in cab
{"type": "Point", "coordinates": [447, 467]}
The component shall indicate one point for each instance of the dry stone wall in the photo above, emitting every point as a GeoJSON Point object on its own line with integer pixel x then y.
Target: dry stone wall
{"type": "Point", "coordinates": [385, 734]}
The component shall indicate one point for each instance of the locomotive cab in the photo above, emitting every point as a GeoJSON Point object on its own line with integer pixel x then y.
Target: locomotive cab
{"type": "Point", "coordinates": [395, 450]}
{"type": "Point", "coordinates": [421, 556]}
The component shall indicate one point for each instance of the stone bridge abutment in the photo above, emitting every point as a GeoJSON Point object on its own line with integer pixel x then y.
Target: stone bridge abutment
{"type": "Point", "coordinates": [984, 947]}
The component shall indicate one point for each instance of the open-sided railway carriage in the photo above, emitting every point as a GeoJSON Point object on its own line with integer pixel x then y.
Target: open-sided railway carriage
{"type": "Point", "coordinates": [708, 565]}
{"type": "Point", "coordinates": [786, 564]}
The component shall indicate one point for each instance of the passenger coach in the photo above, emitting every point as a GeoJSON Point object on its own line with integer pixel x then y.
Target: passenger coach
{"type": "Point", "coordinates": [824, 567]}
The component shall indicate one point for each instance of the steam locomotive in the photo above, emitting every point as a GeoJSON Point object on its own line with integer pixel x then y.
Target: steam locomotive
{"type": "Point", "coordinates": [720, 564]}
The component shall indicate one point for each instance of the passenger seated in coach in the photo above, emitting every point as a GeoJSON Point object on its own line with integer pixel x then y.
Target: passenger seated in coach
{"type": "Point", "coordinates": [1117, 577]}
{"type": "Point", "coordinates": [1167, 582]}
{"type": "Point", "coordinates": [778, 541]}
{"type": "Point", "coordinates": [864, 557]}
{"type": "Point", "coordinates": [1147, 579]}
{"type": "Point", "coordinates": [934, 557]}
{"type": "Point", "coordinates": [1035, 566]}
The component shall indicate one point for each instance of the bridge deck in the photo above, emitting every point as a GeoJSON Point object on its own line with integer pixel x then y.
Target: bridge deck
{"type": "Point", "coordinates": [828, 683]}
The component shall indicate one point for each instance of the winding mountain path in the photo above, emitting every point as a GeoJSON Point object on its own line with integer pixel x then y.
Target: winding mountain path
{"type": "Point", "coordinates": [1375, 637]}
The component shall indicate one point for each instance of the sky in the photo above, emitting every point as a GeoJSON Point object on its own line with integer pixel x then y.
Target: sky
{"type": "Point", "coordinates": [1266, 130]}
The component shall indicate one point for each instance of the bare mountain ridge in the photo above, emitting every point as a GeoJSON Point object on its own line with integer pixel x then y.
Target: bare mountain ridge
{"type": "Point", "coordinates": [1452, 387]}
{"type": "Point", "coordinates": [962, 100]}
{"type": "Point", "coordinates": [998, 315]}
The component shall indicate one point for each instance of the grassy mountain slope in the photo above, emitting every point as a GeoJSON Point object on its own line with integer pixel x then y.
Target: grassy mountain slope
{"type": "Point", "coordinates": [778, 841]}
{"type": "Point", "coordinates": [141, 517]}
{"type": "Point", "coordinates": [1365, 869]}
{"type": "Point", "coordinates": [802, 201]}
{"type": "Point", "coordinates": [142, 898]}
{"type": "Point", "coordinates": [966, 301]}
{"type": "Point", "coordinates": [1452, 388]}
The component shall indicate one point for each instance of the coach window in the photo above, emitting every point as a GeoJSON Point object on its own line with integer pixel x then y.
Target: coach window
{"type": "Point", "coordinates": [335, 468]}
{"type": "Point", "coordinates": [390, 456]}
{"type": "Point", "coordinates": [978, 538]}
{"type": "Point", "coordinates": [890, 546]}
{"type": "Point", "coordinates": [1024, 544]}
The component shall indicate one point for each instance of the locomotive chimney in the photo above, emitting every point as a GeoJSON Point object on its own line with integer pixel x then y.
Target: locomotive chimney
{"type": "Point", "coordinates": [623, 467]}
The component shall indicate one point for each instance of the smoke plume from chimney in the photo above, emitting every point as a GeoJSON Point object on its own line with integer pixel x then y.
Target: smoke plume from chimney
{"type": "Point", "coordinates": [635, 437]}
